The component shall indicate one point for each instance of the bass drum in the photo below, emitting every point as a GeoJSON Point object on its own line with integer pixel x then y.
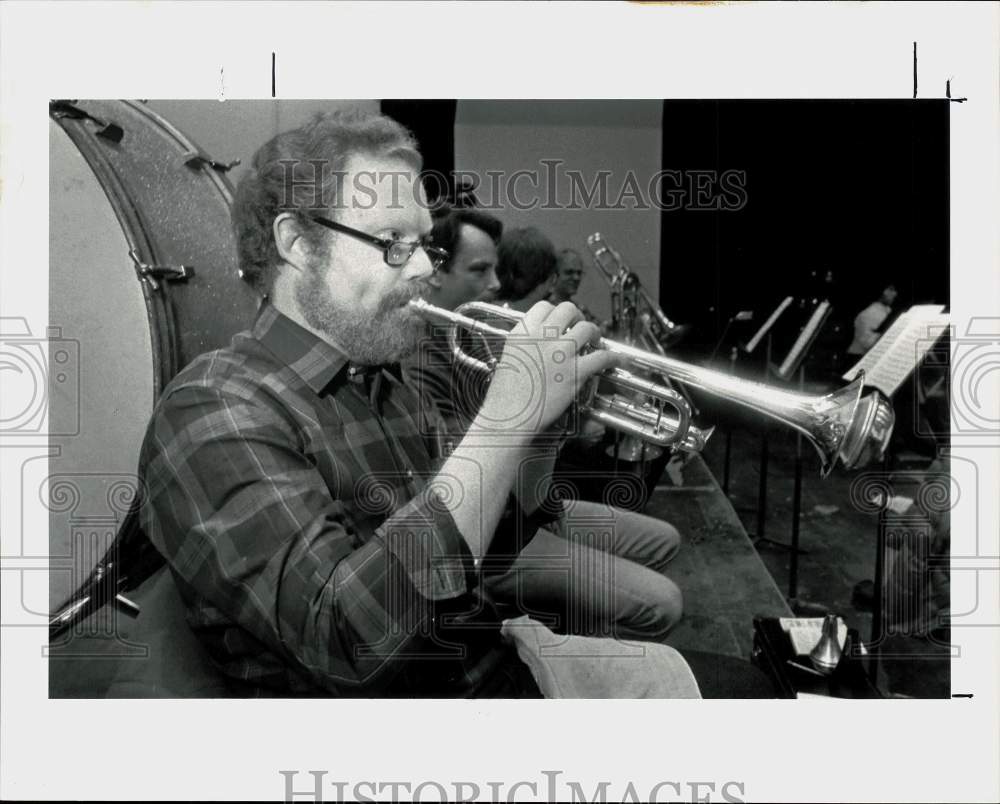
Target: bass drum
{"type": "Point", "coordinates": [142, 278]}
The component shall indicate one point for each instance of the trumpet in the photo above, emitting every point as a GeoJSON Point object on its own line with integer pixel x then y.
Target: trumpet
{"type": "Point", "coordinates": [840, 425]}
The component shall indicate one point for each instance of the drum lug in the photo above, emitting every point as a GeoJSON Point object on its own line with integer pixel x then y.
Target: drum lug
{"type": "Point", "coordinates": [150, 273]}
{"type": "Point", "coordinates": [196, 160]}
{"type": "Point", "coordinates": [63, 108]}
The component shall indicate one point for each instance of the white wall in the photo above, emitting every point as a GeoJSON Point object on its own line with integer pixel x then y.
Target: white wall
{"type": "Point", "coordinates": [588, 136]}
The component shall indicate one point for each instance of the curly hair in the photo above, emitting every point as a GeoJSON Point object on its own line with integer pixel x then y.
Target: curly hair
{"type": "Point", "coordinates": [301, 171]}
{"type": "Point", "coordinates": [525, 259]}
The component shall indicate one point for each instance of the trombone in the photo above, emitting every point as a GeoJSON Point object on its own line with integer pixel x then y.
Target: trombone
{"type": "Point", "coordinates": [636, 318]}
{"type": "Point", "coordinates": [632, 308]}
{"type": "Point", "coordinates": [840, 425]}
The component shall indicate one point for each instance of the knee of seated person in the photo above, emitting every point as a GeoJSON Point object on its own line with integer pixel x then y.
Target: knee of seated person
{"type": "Point", "coordinates": [661, 611]}
{"type": "Point", "coordinates": [667, 546]}
{"type": "Point", "coordinates": [672, 537]}
{"type": "Point", "coordinates": [670, 605]}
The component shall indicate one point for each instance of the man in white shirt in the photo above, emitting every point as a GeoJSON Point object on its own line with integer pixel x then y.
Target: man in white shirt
{"type": "Point", "coordinates": [867, 322]}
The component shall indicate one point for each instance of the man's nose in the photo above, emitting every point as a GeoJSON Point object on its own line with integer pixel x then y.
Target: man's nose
{"type": "Point", "coordinates": [419, 266]}
{"type": "Point", "coordinates": [494, 283]}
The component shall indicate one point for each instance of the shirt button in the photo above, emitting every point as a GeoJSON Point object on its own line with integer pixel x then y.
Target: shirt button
{"type": "Point", "coordinates": [409, 474]}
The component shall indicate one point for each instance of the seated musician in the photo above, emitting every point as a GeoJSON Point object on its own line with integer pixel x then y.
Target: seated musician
{"type": "Point", "coordinates": [594, 563]}
{"type": "Point", "coordinates": [318, 543]}
{"type": "Point", "coordinates": [526, 268]}
{"type": "Point", "coordinates": [868, 323]}
{"type": "Point", "coordinates": [569, 272]}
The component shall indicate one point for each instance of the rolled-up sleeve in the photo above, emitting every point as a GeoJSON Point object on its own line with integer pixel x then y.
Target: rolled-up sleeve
{"type": "Point", "coordinates": [246, 520]}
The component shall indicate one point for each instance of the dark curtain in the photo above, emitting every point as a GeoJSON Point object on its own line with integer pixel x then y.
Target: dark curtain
{"type": "Point", "coordinates": [859, 189]}
{"type": "Point", "coordinates": [432, 122]}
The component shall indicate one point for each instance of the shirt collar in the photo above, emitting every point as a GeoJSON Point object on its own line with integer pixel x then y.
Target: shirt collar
{"type": "Point", "coordinates": [315, 361]}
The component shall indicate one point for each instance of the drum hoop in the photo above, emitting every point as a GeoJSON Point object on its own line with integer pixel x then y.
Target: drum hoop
{"type": "Point", "coordinates": [221, 182]}
{"type": "Point", "coordinates": [162, 327]}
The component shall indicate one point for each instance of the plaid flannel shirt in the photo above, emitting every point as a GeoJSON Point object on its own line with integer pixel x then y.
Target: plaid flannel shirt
{"type": "Point", "coordinates": [287, 490]}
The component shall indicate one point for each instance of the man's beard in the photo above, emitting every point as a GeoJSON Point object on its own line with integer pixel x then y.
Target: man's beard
{"type": "Point", "coordinates": [369, 339]}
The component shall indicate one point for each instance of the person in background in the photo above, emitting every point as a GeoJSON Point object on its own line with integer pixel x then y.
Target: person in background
{"type": "Point", "coordinates": [868, 321]}
{"type": "Point", "coordinates": [470, 236]}
{"type": "Point", "coordinates": [526, 268]}
{"type": "Point", "coordinates": [569, 272]}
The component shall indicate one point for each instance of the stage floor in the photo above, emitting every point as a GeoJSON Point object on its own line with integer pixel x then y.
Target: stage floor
{"type": "Point", "coordinates": [724, 581]}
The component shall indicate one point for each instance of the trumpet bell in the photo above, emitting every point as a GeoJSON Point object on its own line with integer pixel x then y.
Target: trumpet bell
{"type": "Point", "coordinates": [869, 437]}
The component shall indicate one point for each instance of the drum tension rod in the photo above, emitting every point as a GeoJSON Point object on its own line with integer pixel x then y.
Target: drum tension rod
{"type": "Point", "coordinates": [150, 273]}
{"type": "Point", "coordinates": [197, 160]}
{"type": "Point", "coordinates": [109, 131]}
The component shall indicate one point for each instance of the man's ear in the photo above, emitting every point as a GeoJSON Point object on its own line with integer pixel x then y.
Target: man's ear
{"type": "Point", "coordinates": [290, 242]}
{"type": "Point", "coordinates": [434, 280]}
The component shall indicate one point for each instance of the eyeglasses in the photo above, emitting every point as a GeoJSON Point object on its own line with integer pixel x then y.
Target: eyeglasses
{"type": "Point", "coordinates": [395, 252]}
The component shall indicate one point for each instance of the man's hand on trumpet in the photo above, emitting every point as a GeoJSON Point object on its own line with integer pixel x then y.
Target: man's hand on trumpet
{"type": "Point", "coordinates": [541, 372]}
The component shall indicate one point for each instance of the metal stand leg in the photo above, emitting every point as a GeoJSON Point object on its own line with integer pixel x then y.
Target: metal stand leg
{"type": "Point", "coordinates": [729, 430]}
{"type": "Point", "coordinates": [762, 489]}
{"type": "Point", "coordinates": [877, 613]}
{"type": "Point", "coordinates": [793, 563]}
{"type": "Point", "coordinates": [877, 635]}
{"type": "Point", "coordinates": [762, 485]}
{"type": "Point", "coordinates": [793, 548]}
{"type": "Point", "coordinates": [725, 466]}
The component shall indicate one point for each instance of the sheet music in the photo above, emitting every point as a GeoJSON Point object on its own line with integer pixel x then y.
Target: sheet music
{"type": "Point", "coordinates": [805, 338]}
{"type": "Point", "coordinates": [768, 324]}
{"type": "Point", "coordinates": [890, 361]}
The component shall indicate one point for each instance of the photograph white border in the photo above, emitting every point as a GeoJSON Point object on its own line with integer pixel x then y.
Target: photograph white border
{"type": "Point", "coordinates": [780, 750]}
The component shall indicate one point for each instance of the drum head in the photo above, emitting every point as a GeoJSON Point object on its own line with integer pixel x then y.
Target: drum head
{"type": "Point", "coordinates": [101, 373]}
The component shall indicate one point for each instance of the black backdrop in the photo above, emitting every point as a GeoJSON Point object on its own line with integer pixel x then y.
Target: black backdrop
{"type": "Point", "coordinates": [432, 123]}
{"type": "Point", "coordinates": [857, 187]}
